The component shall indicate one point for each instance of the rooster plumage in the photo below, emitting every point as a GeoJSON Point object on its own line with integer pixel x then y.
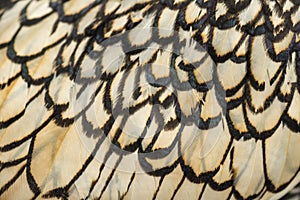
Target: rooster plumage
{"type": "Point", "coordinates": [138, 99]}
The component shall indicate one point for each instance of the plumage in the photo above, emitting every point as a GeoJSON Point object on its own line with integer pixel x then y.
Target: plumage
{"type": "Point", "coordinates": [149, 99]}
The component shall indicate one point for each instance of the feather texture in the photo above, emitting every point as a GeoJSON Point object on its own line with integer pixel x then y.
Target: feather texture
{"type": "Point", "coordinates": [149, 99]}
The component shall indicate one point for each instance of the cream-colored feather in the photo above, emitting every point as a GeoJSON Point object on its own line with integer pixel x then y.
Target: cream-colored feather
{"type": "Point", "coordinates": [140, 99]}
